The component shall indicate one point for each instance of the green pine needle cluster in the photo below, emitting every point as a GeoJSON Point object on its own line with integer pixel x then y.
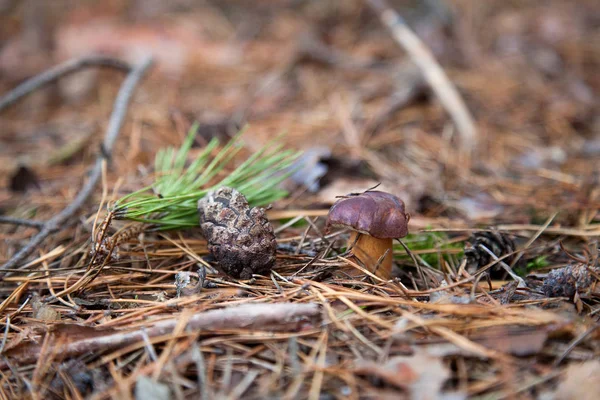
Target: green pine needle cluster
{"type": "Point", "coordinates": [171, 202]}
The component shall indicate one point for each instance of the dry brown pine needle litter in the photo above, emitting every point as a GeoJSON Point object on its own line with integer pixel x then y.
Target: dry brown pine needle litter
{"type": "Point", "coordinates": [239, 237]}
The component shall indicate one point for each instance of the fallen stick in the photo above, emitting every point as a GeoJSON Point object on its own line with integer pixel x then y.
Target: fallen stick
{"type": "Point", "coordinates": [57, 72]}
{"type": "Point", "coordinates": [112, 132]}
{"type": "Point", "coordinates": [77, 339]}
{"type": "Point", "coordinates": [432, 72]}
{"type": "Point", "coordinates": [21, 222]}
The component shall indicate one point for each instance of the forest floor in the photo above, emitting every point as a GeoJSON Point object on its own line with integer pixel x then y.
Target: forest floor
{"type": "Point", "coordinates": [453, 323]}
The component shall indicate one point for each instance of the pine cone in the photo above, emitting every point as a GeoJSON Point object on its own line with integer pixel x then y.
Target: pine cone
{"type": "Point", "coordinates": [239, 237]}
{"type": "Point", "coordinates": [565, 282]}
{"type": "Point", "coordinates": [497, 242]}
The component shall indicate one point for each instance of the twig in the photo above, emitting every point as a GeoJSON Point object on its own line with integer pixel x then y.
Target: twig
{"type": "Point", "coordinates": [432, 72]}
{"type": "Point", "coordinates": [57, 72]}
{"type": "Point", "coordinates": [6, 329]}
{"type": "Point", "coordinates": [574, 344]}
{"type": "Point", "coordinates": [241, 387]}
{"type": "Point", "coordinates": [112, 132]}
{"type": "Point", "coordinates": [505, 266]}
{"type": "Point", "coordinates": [22, 222]}
{"type": "Point", "coordinates": [203, 383]}
{"type": "Point", "coordinates": [274, 316]}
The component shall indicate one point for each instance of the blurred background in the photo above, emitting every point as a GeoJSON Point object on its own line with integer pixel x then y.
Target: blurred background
{"type": "Point", "coordinates": [331, 77]}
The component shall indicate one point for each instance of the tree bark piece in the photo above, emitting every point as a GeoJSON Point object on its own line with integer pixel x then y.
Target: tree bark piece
{"type": "Point", "coordinates": [77, 339]}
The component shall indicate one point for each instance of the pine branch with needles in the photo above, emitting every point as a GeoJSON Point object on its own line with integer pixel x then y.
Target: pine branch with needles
{"type": "Point", "coordinates": [171, 202]}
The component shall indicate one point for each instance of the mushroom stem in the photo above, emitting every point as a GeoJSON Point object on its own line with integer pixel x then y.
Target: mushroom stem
{"type": "Point", "coordinates": [369, 250]}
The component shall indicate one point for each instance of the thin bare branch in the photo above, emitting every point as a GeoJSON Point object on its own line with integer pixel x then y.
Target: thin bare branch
{"type": "Point", "coordinates": [57, 72]}
{"type": "Point", "coordinates": [21, 222]}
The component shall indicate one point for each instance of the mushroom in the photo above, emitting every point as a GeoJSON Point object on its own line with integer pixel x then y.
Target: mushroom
{"type": "Point", "coordinates": [376, 218]}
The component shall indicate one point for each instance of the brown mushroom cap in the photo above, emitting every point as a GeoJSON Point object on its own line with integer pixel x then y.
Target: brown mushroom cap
{"type": "Point", "coordinates": [374, 213]}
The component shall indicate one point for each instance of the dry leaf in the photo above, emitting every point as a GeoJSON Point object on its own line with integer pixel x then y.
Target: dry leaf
{"type": "Point", "coordinates": [309, 169]}
{"type": "Point", "coordinates": [479, 207]}
{"type": "Point", "coordinates": [421, 374]}
{"type": "Point", "coordinates": [174, 47]}
{"type": "Point", "coordinates": [43, 311]}
{"type": "Point", "coordinates": [581, 382]}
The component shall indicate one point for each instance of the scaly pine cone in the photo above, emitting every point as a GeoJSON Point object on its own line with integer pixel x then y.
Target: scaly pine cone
{"type": "Point", "coordinates": [565, 282]}
{"type": "Point", "coordinates": [497, 242]}
{"type": "Point", "coordinates": [239, 237]}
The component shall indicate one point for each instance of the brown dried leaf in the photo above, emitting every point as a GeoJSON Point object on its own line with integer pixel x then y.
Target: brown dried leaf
{"type": "Point", "coordinates": [580, 382]}
{"type": "Point", "coordinates": [174, 47]}
{"type": "Point", "coordinates": [421, 374]}
{"type": "Point", "coordinates": [44, 311]}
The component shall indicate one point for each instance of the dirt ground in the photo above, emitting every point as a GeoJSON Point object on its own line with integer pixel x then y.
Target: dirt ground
{"type": "Point", "coordinates": [99, 315]}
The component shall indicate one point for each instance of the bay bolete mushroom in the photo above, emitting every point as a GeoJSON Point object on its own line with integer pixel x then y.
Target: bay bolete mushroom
{"type": "Point", "coordinates": [376, 218]}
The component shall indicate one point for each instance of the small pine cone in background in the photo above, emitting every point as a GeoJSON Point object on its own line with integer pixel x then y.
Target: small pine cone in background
{"type": "Point", "coordinates": [239, 237]}
{"type": "Point", "coordinates": [498, 243]}
{"type": "Point", "coordinates": [566, 281]}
